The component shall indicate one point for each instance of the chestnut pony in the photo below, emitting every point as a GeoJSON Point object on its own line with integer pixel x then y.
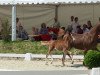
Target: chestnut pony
{"type": "Point", "coordinates": [62, 45]}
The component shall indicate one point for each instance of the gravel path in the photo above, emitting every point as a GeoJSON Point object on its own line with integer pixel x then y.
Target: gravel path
{"type": "Point", "coordinates": [38, 65]}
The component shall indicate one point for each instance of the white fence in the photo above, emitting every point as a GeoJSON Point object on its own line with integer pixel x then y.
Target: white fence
{"type": "Point", "coordinates": [29, 56]}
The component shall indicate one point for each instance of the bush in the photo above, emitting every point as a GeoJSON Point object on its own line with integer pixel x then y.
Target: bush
{"type": "Point", "coordinates": [92, 59]}
{"type": "Point", "coordinates": [5, 30]}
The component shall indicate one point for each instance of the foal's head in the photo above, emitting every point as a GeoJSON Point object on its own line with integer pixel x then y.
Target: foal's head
{"type": "Point", "coordinates": [67, 37]}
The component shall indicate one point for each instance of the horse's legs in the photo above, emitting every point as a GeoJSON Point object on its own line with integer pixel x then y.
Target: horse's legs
{"type": "Point", "coordinates": [63, 58]}
{"type": "Point", "coordinates": [70, 57]}
{"type": "Point", "coordinates": [49, 53]}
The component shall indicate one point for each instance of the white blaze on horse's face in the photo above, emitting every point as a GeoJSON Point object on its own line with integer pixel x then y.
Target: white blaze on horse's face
{"type": "Point", "coordinates": [72, 37]}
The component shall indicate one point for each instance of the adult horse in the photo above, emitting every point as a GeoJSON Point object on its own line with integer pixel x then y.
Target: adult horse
{"type": "Point", "coordinates": [86, 41]}
{"type": "Point", "coordinates": [62, 45]}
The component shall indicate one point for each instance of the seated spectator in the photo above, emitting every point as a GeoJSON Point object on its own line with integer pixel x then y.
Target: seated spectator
{"type": "Point", "coordinates": [34, 31]}
{"type": "Point", "coordinates": [44, 29]}
{"type": "Point", "coordinates": [44, 33]}
{"type": "Point", "coordinates": [85, 28]}
{"type": "Point", "coordinates": [79, 30]}
{"type": "Point", "coordinates": [22, 33]}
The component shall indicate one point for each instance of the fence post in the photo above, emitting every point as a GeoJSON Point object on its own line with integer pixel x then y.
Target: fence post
{"type": "Point", "coordinates": [28, 56]}
{"type": "Point", "coordinates": [95, 71]}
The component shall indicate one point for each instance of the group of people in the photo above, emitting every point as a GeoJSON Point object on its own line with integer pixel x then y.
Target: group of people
{"type": "Point", "coordinates": [55, 31]}
{"type": "Point", "coordinates": [75, 27]}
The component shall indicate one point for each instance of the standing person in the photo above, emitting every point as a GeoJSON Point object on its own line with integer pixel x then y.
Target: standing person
{"type": "Point", "coordinates": [56, 23]}
{"type": "Point", "coordinates": [69, 27]}
{"type": "Point", "coordinates": [18, 24]}
{"type": "Point", "coordinates": [74, 25]}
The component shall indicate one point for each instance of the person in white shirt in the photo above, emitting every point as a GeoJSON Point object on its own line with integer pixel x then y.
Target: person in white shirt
{"type": "Point", "coordinates": [74, 25]}
{"type": "Point", "coordinates": [69, 27]}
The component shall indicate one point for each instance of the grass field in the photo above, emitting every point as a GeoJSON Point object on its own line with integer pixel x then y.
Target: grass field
{"type": "Point", "coordinates": [22, 47]}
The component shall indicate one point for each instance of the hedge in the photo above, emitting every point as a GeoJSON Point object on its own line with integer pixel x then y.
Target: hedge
{"type": "Point", "coordinates": [92, 59]}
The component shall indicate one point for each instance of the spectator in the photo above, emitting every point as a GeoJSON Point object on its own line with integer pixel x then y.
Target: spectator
{"type": "Point", "coordinates": [85, 28]}
{"type": "Point", "coordinates": [18, 24]}
{"type": "Point", "coordinates": [79, 30]}
{"type": "Point", "coordinates": [56, 23]}
{"type": "Point", "coordinates": [89, 25]}
{"type": "Point", "coordinates": [34, 31]}
{"type": "Point", "coordinates": [44, 29]}
{"type": "Point", "coordinates": [69, 28]}
{"type": "Point", "coordinates": [75, 24]}
{"type": "Point", "coordinates": [22, 33]}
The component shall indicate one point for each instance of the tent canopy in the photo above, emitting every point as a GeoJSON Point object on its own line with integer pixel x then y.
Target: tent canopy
{"type": "Point", "coordinates": [7, 2]}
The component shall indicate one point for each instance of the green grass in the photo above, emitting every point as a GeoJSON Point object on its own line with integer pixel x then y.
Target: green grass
{"type": "Point", "coordinates": [22, 47]}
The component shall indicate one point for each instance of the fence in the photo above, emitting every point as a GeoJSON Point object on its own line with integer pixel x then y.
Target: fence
{"type": "Point", "coordinates": [29, 56]}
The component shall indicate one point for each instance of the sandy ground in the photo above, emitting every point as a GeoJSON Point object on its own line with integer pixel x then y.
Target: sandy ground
{"type": "Point", "coordinates": [39, 65]}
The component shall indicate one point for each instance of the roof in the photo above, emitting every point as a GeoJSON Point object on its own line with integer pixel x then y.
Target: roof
{"type": "Point", "coordinates": [6, 2]}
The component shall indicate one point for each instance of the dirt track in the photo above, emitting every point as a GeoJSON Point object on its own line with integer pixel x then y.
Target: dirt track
{"type": "Point", "coordinates": [39, 65]}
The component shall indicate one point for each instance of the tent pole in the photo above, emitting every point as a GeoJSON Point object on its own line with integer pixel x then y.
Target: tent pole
{"type": "Point", "coordinates": [56, 12]}
{"type": "Point", "coordinates": [14, 22]}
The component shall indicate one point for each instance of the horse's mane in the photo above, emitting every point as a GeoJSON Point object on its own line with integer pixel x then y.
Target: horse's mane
{"type": "Point", "coordinates": [95, 28]}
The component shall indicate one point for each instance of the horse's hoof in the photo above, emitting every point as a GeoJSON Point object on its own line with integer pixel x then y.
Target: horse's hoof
{"type": "Point", "coordinates": [51, 63]}
{"type": "Point", "coordinates": [63, 65]}
{"type": "Point", "coordinates": [72, 62]}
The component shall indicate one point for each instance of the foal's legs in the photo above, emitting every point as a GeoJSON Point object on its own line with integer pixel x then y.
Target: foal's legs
{"type": "Point", "coordinates": [63, 58]}
{"type": "Point", "coordinates": [49, 53]}
{"type": "Point", "coordinates": [70, 57]}
{"type": "Point", "coordinates": [64, 55]}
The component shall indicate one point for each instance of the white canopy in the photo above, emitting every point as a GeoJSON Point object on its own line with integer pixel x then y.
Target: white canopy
{"type": "Point", "coordinates": [6, 2]}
